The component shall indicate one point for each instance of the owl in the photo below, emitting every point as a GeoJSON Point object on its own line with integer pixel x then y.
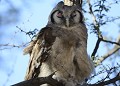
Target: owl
{"type": "Point", "coordinates": [61, 47]}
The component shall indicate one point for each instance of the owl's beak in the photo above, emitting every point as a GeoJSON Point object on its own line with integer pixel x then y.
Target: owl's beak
{"type": "Point", "coordinates": [67, 22]}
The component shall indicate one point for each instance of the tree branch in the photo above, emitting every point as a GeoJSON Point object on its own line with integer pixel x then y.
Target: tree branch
{"type": "Point", "coordinates": [110, 52]}
{"type": "Point", "coordinates": [73, 2]}
{"type": "Point", "coordinates": [39, 81]}
{"type": "Point", "coordinates": [96, 26]}
{"type": "Point", "coordinates": [107, 41]}
{"type": "Point", "coordinates": [108, 81]}
{"type": "Point", "coordinates": [96, 48]}
{"type": "Point", "coordinates": [9, 46]}
{"type": "Point", "coordinates": [49, 80]}
{"type": "Point", "coordinates": [100, 37]}
{"type": "Point", "coordinates": [95, 22]}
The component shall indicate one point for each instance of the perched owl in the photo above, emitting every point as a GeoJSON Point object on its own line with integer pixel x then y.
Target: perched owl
{"type": "Point", "coordinates": [61, 47]}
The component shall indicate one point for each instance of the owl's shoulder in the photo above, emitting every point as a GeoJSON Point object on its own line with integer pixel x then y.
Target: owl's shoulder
{"type": "Point", "coordinates": [43, 38]}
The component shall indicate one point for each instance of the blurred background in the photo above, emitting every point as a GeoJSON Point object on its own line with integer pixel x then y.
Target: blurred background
{"type": "Point", "coordinates": [21, 19]}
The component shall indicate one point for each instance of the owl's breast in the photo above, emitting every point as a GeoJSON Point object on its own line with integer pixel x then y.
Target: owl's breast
{"type": "Point", "coordinates": [62, 56]}
{"type": "Point", "coordinates": [69, 61]}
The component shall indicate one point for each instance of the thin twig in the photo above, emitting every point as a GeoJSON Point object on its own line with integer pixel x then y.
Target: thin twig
{"type": "Point", "coordinates": [7, 46]}
{"type": "Point", "coordinates": [96, 24]}
{"type": "Point", "coordinates": [110, 52]}
{"type": "Point", "coordinates": [110, 42]}
{"type": "Point", "coordinates": [108, 81]}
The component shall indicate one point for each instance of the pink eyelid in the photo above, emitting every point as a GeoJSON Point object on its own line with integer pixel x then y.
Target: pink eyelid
{"type": "Point", "coordinates": [59, 14]}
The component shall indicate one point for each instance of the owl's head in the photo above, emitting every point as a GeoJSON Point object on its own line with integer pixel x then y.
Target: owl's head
{"type": "Point", "coordinates": [66, 16]}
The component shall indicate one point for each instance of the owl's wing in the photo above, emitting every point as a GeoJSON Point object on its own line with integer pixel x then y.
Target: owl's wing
{"type": "Point", "coordinates": [39, 51]}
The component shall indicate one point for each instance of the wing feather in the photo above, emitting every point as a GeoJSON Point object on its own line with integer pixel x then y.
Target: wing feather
{"type": "Point", "coordinates": [39, 51]}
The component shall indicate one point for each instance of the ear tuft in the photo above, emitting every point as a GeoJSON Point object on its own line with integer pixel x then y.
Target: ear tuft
{"type": "Point", "coordinates": [60, 4]}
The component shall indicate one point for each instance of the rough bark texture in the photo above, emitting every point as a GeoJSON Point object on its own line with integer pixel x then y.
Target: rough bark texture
{"type": "Point", "coordinates": [73, 2]}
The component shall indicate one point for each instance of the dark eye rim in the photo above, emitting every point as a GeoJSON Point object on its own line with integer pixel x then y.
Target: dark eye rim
{"type": "Point", "coordinates": [81, 16]}
{"type": "Point", "coordinates": [73, 14]}
{"type": "Point", "coordinates": [51, 16]}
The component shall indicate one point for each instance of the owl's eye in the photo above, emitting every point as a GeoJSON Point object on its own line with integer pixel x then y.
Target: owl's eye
{"type": "Point", "coordinates": [59, 14]}
{"type": "Point", "coordinates": [73, 14]}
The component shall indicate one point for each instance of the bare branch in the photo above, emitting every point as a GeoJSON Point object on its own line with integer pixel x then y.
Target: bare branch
{"type": "Point", "coordinates": [110, 52]}
{"type": "Point", "coordinates": [31, 34]}
{"type": "Point", "coordinates": [100, 37]}
{"type": "Point", "coordinates": [96, 26]}
{"type": "Point", "coordinates": [108, 81]}
{"type": "Point", "coordinates": [95, 22]}
{"type": "Point", "coordinates": [96, 48]}
{"type": "Point", "coordinates": [9, 46]}
{"type": "Point", "coordinates": [39, 81]}
{"type": "Point", "coordinates": [49, 80]}
{"type": "Point", "coordinates": [116, 48]}
{"type": "Point", "coordinates": [111, 42]}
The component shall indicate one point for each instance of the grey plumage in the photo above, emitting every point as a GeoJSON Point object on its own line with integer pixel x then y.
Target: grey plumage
{"type": "Point", "coordinates": [62, 47]}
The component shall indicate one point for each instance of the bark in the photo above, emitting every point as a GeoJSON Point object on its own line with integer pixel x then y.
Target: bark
{"type": "Point", "coordinates": [73, 2]}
